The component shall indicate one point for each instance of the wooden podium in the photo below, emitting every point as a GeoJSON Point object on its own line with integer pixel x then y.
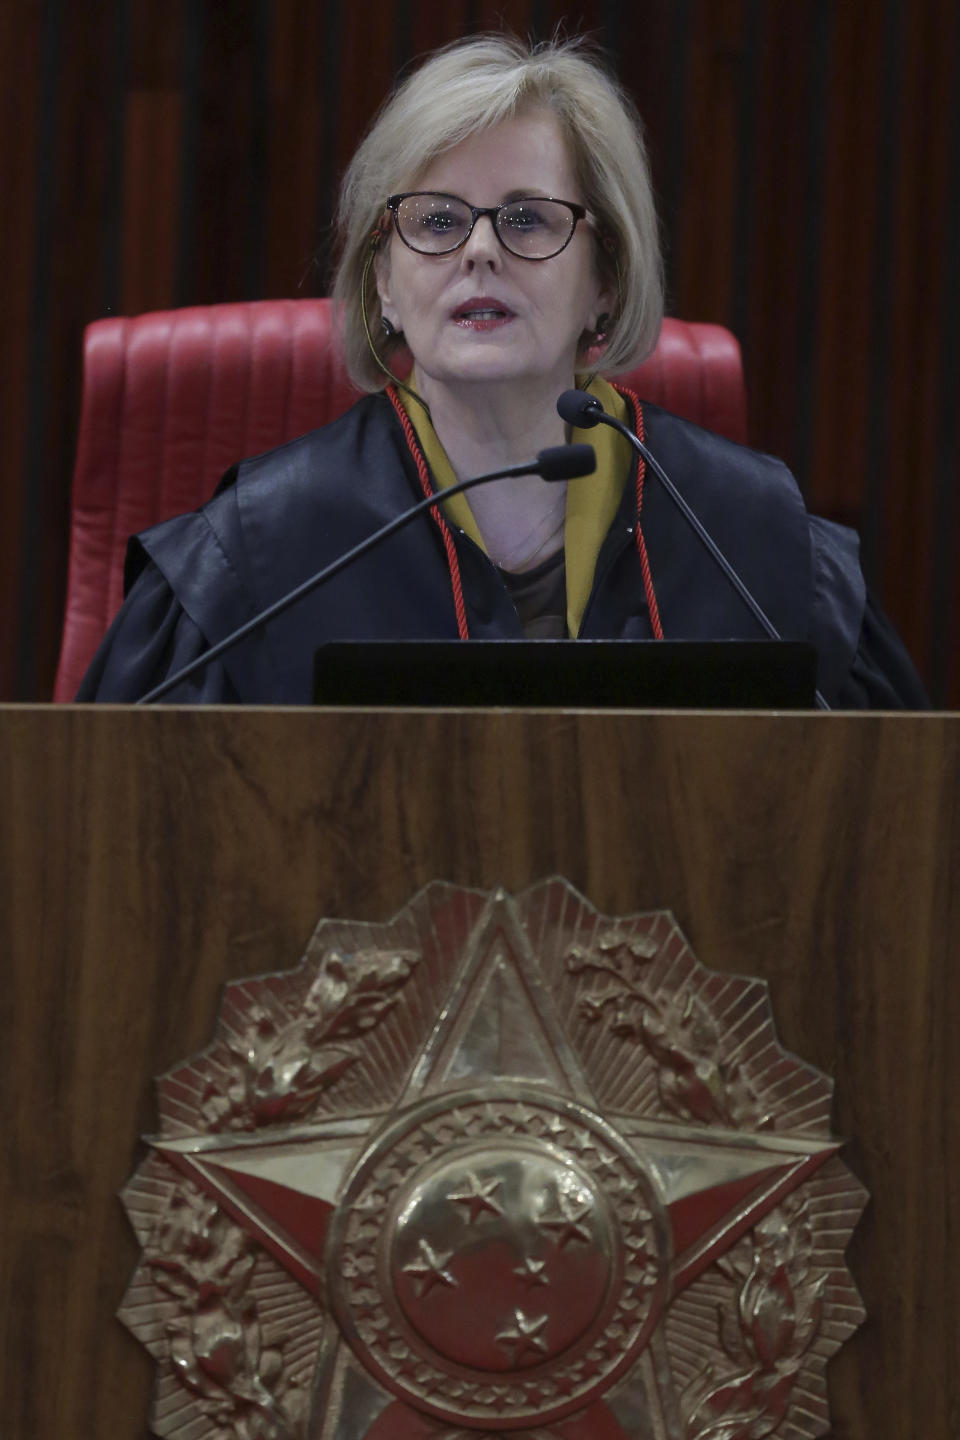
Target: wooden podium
{"type": "Point", "coordinates": [147, 856]}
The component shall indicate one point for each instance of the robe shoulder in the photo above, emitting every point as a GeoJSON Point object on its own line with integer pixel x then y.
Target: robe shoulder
{"type": "Point", "coordinates": [274, 519]}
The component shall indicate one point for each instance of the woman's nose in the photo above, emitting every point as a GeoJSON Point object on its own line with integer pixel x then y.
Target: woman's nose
{"type": "Point", "coordinates": [482, 245]}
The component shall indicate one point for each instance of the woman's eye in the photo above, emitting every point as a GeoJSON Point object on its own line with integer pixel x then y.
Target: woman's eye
{"type": "Point", "coordinates": [438, 222]}
{"type": "Point", "coordinates": [523, 219]}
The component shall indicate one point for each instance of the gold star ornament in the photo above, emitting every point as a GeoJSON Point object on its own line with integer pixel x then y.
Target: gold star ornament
{"type": "Point", "coordinates": [500, 1166]}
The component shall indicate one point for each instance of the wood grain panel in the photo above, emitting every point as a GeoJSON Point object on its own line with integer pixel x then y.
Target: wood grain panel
{"type": "Point", "coordinates": [153, 131]}
{"type": "Point", "coordinates": [62, 216]}
{"type": "Point", "coordinates": [849, 219]}
{"type": "Point", "coordinates": [367, 56]}
{"type": "Point", "coordinates": [20, 35]}
{"type": "Point", "coordinates": [427, 29]}
{"type": "Point", "coordinates": [224, 197]}
{"type": "Point", "coordinates": [295, 140]}
{"type": "Point", "coordinates": [703, 274]}
{"type": "Point", "coordinates": [156, 50]}
{"type": "Point", "coordinates": [779, 205]}
{"type": "Point", "coordinates": [147, 856]}
{"type": "Point", "coordinates": [921, 271]}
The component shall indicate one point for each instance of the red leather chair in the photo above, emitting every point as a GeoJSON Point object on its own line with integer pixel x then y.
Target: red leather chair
{"type": "Point", "coordinates": [171, 399]}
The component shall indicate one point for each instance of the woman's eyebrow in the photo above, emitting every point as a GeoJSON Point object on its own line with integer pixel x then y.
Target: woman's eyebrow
{"type": "Point", "coordinates": [532, 192]}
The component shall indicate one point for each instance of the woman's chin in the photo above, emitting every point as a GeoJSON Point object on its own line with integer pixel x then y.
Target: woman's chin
{"type": "Point", "coordinates": [490, 366]}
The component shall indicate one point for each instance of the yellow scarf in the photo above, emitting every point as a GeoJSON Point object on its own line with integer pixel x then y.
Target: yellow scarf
{"type": "Point", "coordinates": [592, 500]}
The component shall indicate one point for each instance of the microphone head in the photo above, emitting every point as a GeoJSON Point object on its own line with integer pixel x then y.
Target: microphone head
{"type": "Point", "coordinates": [566, 462]}
{"type": "Point", "coordinates": [579, 409]}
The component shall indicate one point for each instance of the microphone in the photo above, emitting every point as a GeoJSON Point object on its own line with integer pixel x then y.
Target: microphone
{"type": "Point", "coordinates": [583, 411]}
{"type": "Point", "coordinates": [559, 462]}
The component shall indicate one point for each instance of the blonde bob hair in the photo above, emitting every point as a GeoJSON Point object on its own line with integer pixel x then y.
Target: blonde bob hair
{"type": "Point", "coordinates": [467, 87]}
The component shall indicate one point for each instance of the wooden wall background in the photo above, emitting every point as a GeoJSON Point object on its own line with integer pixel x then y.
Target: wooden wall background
{"type": "Point", "coordinates": [806, 153]}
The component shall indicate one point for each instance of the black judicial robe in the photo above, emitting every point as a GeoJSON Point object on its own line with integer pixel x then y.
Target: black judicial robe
{"type": "Point", "coordinates": [279, 517]}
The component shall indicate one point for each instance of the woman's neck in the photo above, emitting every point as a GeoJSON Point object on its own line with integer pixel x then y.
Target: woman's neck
{"type": "Point", "coordinates": [485, 426]}
{"type": "Point", "coordinates": [488, 427]}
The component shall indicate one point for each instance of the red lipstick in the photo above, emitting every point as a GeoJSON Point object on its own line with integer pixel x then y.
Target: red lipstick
{"type": "Point", "coordinates": [482, 312]}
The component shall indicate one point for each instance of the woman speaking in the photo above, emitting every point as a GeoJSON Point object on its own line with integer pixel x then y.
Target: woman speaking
{"type": "Point", "coordinates": [496, 225]}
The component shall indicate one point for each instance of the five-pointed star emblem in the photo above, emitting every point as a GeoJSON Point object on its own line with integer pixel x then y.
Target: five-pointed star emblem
{"type": "Point", "coordinates": [498, 1028]}
{"type": "Point", "coordinates": [524, 1336]}
{"type": "Point", "coordinates": [477, 1197]}
{"type": "Point", "coordinates": [567, 1227]}
{"type": "Point", "coordinates": [430, 1268]}
{"type": "Point", "coordinates": [531, 1271]}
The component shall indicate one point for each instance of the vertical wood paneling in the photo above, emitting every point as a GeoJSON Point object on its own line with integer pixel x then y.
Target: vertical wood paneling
{"type": "Point", "coordinates": [775, 213]}
{"type": "Point", "coordinates": [816, 35]}
{"type": "Point", "coordinates": [37, 347]}
{"type": "Point", "coordinates": [706, 220]}
{"type": "Point", "coordinates": [153, 127]}
{"type": "Point", "coordinates": [642, 43]}
{"type": "Point", "coordinates": [68, 198]}
{"type": "Point", "coordinates": [226, 142]}
{"type": "Point", "coordinates": [428, 28]}
{"type": "Point", "coordinates": [20, 35]}
{"type": "Point", "coordinates": [113, 160]}
{"type": "Point", "coordinates": [944, 619]}
{"type": "Point", "coordinates": [807, 159]}
{"type": "Point", "coordinates": [366, 62]}
{"type": "Point", "coordinates": [845, 313]}
{"type": "Point", "coordinates": [921, 270]}
{"type": "Point", "coordinates": [294, 161]}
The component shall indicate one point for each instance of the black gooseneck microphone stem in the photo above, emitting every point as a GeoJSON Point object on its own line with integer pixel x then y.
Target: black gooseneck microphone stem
{"type": "Point", "coordinates": [756, 609]}
{"type": "Point", "coordinates": [342, 561]}
{"type": "Point", "coordinates": [594, 413]}
{"type": "Point", "coordinates": [749, 600]}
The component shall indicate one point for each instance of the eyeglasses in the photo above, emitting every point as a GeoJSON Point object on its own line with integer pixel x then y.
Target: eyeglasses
{"type": "Point", "coordinates": [534, 227]}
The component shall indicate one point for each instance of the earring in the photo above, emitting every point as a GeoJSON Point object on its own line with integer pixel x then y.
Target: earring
{"type": "Point", "coordinates": [603, 320]}
{"type": "Point", "coordinates": [390, 331]}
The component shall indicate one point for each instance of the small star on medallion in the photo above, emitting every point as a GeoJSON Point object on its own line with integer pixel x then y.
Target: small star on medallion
{"type": "Point", "coordinates": [642, 1272]}
{"type": "Point", "coordinates": [403, 1164]}
{"type": "Point", "coordinates": [532, 1272]}
{"type": "Point", "coordinates": [524, 1336]}
{"type": "Point", "coordinates": [430, 1269]}
{"type": "Point", "coordinates": [565, 1381]}
{"type": "Point", "coordinates": [477, 1196]}
{"type": "Point", "coordinates": [568, 1226]}
{"type": "Point", "coordinates": [526, 1119]}
{"type": "Point", "coordinates": [489, 1119]}
{"type": "Point", "coordinates": [580, 1140]}
{"type": "Point", "coordinates": [427, 1141]}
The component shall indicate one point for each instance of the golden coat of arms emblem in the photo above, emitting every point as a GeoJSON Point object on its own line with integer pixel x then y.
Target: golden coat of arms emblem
{"type": "Point", "coordinates": [501, 1166]}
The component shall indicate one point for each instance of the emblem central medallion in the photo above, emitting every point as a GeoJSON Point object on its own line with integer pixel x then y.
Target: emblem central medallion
{"type": "Point", "coordinates": [499, 1166]}
{"type": "Point", "coordinates": [518, 1268]}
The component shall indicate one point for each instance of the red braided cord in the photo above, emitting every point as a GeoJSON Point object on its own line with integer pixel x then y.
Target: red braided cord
{"type": "Point", "coordinates": [652, 605]}
{"type": "Point", "coordinates": [421, 464]}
